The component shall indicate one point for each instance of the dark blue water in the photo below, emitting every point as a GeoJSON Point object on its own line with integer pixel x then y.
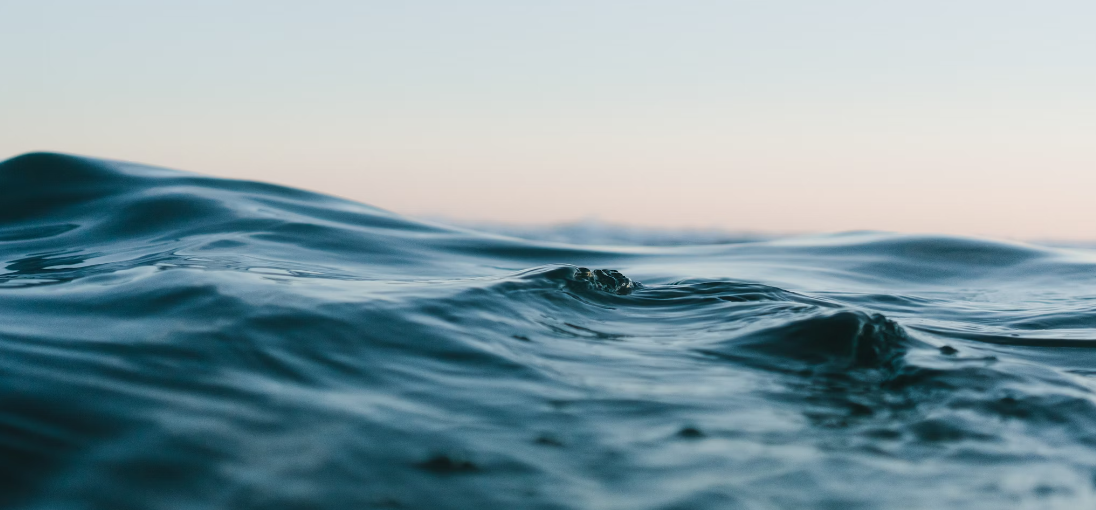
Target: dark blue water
{"type": "Point", "coordinates": [172, 341]}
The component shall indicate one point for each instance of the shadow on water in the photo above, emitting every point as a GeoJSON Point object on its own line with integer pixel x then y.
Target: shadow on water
{"type": "Point", "coordinates": [173, 341]}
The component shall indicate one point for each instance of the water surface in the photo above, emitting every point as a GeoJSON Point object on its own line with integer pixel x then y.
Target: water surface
{"type": "Point", "coordinates": [172, 341]}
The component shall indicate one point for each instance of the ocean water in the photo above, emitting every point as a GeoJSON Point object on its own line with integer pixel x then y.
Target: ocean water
{"type": "Point", "coordinates": [174, 341]}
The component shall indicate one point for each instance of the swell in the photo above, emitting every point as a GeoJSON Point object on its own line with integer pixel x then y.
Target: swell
{"type": "Point", "coordinates": [65, 207]}
{"type": "Point", "coordinates": [170, 341]}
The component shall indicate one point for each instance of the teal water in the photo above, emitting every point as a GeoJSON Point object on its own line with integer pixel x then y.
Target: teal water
{"type": "Point", "coordinates": [172, 341]}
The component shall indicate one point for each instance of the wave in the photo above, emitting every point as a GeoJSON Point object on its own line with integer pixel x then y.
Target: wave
{"type": "Point", "coordinates": [171, 340]}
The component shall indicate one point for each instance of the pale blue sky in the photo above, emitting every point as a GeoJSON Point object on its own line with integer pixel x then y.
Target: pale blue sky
{"type": "Point", "coordinates": [969, 117]}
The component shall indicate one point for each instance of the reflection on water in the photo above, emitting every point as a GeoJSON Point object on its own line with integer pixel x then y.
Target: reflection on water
{"type": "Point", "coordinates": [175, 341]}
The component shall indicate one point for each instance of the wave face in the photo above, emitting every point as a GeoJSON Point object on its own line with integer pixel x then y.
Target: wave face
{"type": "Point", "coordinates": [173, 341]}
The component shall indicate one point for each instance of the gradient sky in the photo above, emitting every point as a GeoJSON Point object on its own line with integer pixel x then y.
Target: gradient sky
{"type": "Point", "coordinates": [961, 117]}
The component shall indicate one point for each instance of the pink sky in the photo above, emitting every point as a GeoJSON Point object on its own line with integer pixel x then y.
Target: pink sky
{"type": "Point", "coordinates": [975, 118]}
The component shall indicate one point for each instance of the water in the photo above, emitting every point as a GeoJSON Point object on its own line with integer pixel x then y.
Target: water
{"type": "Point", "coordinates": [172, 341]}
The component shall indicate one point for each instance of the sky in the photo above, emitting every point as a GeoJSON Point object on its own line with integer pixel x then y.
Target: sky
{"type": "Point", "coordinates": [783, 116]}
